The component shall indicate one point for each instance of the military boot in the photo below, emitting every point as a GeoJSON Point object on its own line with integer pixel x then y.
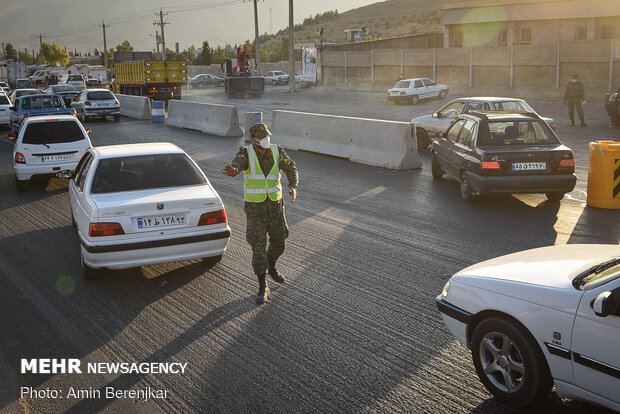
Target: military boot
{"type": "Point", "coordinates": [275, 275]}
{"type": "Point", "coordinates": [263, 290]}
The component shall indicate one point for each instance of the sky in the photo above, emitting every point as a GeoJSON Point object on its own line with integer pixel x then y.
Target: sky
{"type": "Point", "coordinates": [74, 23]}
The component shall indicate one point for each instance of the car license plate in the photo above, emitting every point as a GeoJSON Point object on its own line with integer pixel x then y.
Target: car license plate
{"type": "Point", "coordinates": [52, 158]}
{"type": "Point", "coordinates": [529, 166]}
{"type": "Point", "coordinates": [161, 221]}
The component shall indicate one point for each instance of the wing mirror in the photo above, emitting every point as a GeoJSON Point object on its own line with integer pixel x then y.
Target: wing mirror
{"type": "Point", "coordinates": [439, 135]}
{"type": "Point", "coordinates": [88, 131]}
{"type": "Point", "coordinates": [435, 115]}
{"type": "Point", "coordinates": [607, 303]}
{"type": "Point", "coordinates": [12, 108]}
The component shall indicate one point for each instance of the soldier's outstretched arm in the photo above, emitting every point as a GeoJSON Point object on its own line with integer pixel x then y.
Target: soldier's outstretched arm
{"type": "Point", "coordinates": [239, 163]}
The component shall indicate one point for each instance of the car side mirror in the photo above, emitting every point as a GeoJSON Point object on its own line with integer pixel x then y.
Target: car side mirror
{"type": "Point", "coordinates": [12, 135]}
{"type": "Point", "coordinates": [12, 108]}
{"type": "Point", "coordinates": [439, 135]}
{"type": "Point", "coordinates": [607, 303]}
{"type": "Point", "coordinates": [88, 131]}
{"type": "Point", "coordinates": [435, 115]}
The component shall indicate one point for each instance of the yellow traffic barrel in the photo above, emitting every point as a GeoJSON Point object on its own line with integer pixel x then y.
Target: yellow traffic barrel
{"type": "Point", "coordinates": [604, 175]}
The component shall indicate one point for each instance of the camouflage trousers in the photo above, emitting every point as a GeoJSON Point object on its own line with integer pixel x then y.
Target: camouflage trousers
{"type": "Point", "coordinates": [262, 219]}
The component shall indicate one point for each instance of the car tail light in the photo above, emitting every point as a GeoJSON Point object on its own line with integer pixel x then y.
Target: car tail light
{"type": "Point", "coordinates": [116, 102]}
{"type": "Point", "coordinates": [553, 127]}
{"type": "Point", "coordinates": [567, 163]}
{"type": "Point", "coordinates": [490, 165]}
{"type": "Point", "coordinates": [176, 87]}
{"type": "Point", "coordinates": [213, 217]}
{"type": "Point", "coordinates": [74, 113]}
{"type": "Point", "coordinates": [25, 116]}
{"type": "Point", "coordinates": [19, 158]}
{"type": "Point", "coordinates": [87, 103]}
{"type": "Point", "coordinates": [403, 93]}
{"type": "Point", "coordinates": [105, 229]}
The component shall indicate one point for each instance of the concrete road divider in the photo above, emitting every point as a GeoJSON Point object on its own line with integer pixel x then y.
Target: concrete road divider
{"type": "Point", "coordinates": [138, 107]}
{"type": "Point", "coordinates": [387, 144]}
{"type": "Point", "coordinates": [211, 119]}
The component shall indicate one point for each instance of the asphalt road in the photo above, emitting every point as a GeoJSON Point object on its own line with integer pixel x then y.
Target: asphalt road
{"type": "Point", "coordinates": [354, 329]}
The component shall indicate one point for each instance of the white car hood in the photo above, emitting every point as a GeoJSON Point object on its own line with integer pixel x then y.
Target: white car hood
{"type": "Point", "coordinates": [553, 266]}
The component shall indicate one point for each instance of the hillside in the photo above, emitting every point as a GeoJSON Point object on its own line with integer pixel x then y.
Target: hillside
{"type": "Point", "coordinates": [384, 19]}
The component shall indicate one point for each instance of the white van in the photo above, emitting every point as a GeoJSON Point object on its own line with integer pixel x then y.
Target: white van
{"type": "Point", "coordinates": [48, 146]}
{"type": "Point", "coordinates": [74, 80]}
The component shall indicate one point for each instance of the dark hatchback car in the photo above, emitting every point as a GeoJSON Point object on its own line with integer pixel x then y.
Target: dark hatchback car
{"type": "Point", "coordinates": [504, 152]}
{"type": "Point", "coordinates": [67, 92]}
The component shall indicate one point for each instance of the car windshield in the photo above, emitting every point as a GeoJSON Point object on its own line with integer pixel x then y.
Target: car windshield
{"type": "Point", "coordinates": [4, 100]}
{"type": "Point", "coordinates": [402, 84]}
{"type": "Point", "coordinates": [52, 132]}
{"type": "Point", "coordinates": [100, 96]}
{"type": "Point", "coordinates": [512, 106]}
{"type": "Point", "coordinates": [42, 102]}
{"type": "Point", "coordinates": [78, 78]}
{"type": "Point", "coordinates": [506, 132]}
{"type": "Point", "coordinates": [25, 93]}
{"type": "Point", "coordinates": [143, 172]}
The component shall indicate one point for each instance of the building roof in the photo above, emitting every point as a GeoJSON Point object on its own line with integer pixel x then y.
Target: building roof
{"type": "Point", "coordinates": [484, 11]}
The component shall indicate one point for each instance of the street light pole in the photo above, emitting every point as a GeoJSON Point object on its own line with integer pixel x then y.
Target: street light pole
{"type": "Point", "coordinates": [256, 43]}
{"type": "Point", "coordinates": [291, 47]}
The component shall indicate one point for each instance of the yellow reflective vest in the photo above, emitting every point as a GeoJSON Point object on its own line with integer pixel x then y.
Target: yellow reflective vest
{"type": "Point", "coordinates": [256, 187]}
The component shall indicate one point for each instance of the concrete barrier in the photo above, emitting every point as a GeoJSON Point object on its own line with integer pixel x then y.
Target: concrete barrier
{"type": "Point", "coordinates": [158, 111]}
{"type": "Point", "coordinates": [387, 144]}
{"type": "Point", "coordinates": [212, 119]}
{"type": "Point", "coordinates": [138, 107]}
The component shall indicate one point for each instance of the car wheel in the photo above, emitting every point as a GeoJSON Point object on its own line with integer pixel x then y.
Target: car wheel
{"type": "Point", "coordinates": [415, 99]}
{"type": "Point", "coordinates": [88, 272]}
{"type": "Point", "coordinates": [423, 140]}
{"type": "Point", "coordinates": [20, 185]}
{"type": "Point", "coordinates": [615, 119]}
{"type": "Point", "coordinates": [467, 194]}
{"type": "Point", "coordinates": [435, 167]}
{"type": "Point", "coordinates": [117, 118]}
{"type": "Point", "coordinates": [211, 261]}
{"type": "Point", "coordinates": [509, 363]}
{"type": "Point", "coordinates": [443, 94]}
{"type": "Point", "coordinates": [555, 195]}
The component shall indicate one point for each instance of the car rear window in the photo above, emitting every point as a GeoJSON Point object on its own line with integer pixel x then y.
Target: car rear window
{"type": "Point", "coordinates": [143, 172]}
{"type": "Point", "coordinates": [4, 100]}
{"type": "Point", "coordinates": [99, 96]}
{"type": "Point", "coordinates": [513, 105]}
{"type": "Point", "coordinates": [76, 78]}
{"type": "Point", "coordinates": [52, 132]}
{"type": "Point", "coordinates": [504, 133]}
{"type": "Point", "coordinates": [65, 88]}
{"type": "Point", "coordinates": [402, 84]}
{"type": "Point", "coordinates": [42, 102]}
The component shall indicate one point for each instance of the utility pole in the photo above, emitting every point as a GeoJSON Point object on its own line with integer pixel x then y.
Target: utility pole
{"type": "Point", "coordinates": [157, 40]}
{"type": "Point", "coordinates": [291, 47]}
{"type": "Point", "coordinates": [40, 48]}
{"type": "Point", "coordinates": [161, 24]}
{"type": "Point", "coordinates": [105, 46]}
{"type": "Point", "coordinates": [256, 43]}
{"type": "Point", "coordinates": [270, 29]}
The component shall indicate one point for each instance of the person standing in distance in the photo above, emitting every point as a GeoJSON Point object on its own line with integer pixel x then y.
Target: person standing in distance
{"type": "Point", "coordinates": [261, 163]}
{"type": "Point", "coordinates": [574, 97]}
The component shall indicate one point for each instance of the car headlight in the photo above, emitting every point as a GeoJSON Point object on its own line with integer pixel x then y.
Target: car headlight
{"type": "Point", "coordinates": [446, 289]}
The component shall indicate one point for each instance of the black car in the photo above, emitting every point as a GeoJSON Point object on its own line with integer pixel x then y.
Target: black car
{"type": "Point", "coordinates": [504, 152]}
{"type": "Point", "coordinates": [206, 79]}
{"type": "Point", "coordinates": [67, 92]}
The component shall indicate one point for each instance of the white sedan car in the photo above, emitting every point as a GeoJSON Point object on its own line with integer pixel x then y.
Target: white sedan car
{"type": "Point", "coordinates": [143, 204]}
{"type": "Point", "coordinates": [415, 89]}
{"type": "Point", "coordinates": [541, 317]}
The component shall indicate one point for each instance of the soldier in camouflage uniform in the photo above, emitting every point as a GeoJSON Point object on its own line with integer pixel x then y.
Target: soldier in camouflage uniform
{"type": "Point", "coordinates": [264, 205]}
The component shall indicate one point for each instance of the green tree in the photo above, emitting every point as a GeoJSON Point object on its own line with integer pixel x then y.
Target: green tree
{"type": "Point", "coordinates": [54, 54]}
{"type": "Point", "coordinates": [10, 52]}
{"type": "Point", "coordinates": [124, 47]}
{"type": "Point", "coordinates": [205, 57]}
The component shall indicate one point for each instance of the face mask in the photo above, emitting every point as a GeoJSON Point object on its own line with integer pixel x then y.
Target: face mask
{"type": "Point", "coordinates": [265, 142]}
{"type": "Point", "coordinates": [573, 80]}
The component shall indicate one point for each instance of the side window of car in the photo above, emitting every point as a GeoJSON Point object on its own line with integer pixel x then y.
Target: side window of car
{"type": "Point", "coordinates": [474, 106]}
{"type": "Point", "coordinates": [452, 111]}
{"type": "Point", "coordinates": [418, 84]}
{"type": "Point", "coordinates": [466, 133]}
{"type": "Point", "coordinates": [82, 170]}
{"type": "Point", "coordinates": [77, 98]}
{"type": "Point", "coordinates": [453, 132]}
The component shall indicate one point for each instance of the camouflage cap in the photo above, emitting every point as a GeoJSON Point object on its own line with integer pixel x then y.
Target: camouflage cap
{"type": "Point", "coordinates": [259, 131]}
